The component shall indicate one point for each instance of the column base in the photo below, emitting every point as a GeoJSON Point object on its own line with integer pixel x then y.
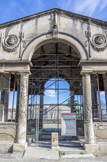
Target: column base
{"type": "Point", "coordinates": [19, 147]}
{"type": "Point", "coordinates": [91, 148]}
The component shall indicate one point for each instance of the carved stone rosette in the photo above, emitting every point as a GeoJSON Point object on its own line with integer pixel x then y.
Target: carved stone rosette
{"type": "Point", "coordinates": [10, 43]}
{"type": "Point", "coordinates": [99, 42]}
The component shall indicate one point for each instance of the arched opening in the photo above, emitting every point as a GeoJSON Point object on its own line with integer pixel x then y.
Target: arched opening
{"type": "Point", "coordinates": [56, 102]}
{"type": "Point", "coordinates": [55, 89]}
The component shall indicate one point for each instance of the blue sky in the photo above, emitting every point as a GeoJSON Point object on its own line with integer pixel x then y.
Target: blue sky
{"type": "Point", "coordinates": [51, 93]}
{"type": "Point", "coordinates": [14, 9]}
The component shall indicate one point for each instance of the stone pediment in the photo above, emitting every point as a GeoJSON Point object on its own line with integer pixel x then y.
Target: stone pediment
{"type": "Point", "coordinates": [19, 39]}
{"type": "Point", "coordinates": [59, 11]}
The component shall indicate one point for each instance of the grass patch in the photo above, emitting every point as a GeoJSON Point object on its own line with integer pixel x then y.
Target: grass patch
{"type": "Point", "coordinates": [61, 153]}
{"type": "Point", "coordinates": [82, 153]}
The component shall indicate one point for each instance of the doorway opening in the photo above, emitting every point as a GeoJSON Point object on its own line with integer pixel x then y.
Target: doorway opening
{"type": "Point", "coordinates": [55, 89]}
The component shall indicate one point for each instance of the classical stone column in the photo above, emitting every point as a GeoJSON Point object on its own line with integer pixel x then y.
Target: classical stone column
{"type": "Point", "coordinates": [41, 111]}
{"type": "Point", "coordinates": [18, 93]}
{"type": "Point", "coordinates": [105, 88]}
{"type": "Point", "coordinates": [72, 101]}
{"type": "Point", "coordinates": [4, 102]}
{"type": "Point", "coordinates": [22, 114]}
{"type": "Point", "coordinates": [94, 97]}
{"type": "Point", "coordinates": [88, 121]}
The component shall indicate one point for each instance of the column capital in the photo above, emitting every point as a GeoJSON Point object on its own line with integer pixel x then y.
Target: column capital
{"type": "Point", "coordinates": [86, 75]}
{"type": "Point", "coordinates": [83, 72]}
{"type": "Point", "coordinates": [25, 73]}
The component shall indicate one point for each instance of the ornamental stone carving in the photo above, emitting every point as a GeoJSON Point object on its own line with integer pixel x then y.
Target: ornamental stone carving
{"type": "Point", "coordinates": [88, 114]}
{"type": "Point", "coordinates": [99, 42]}
{"type": "Point", "coordinates": [11, 43]}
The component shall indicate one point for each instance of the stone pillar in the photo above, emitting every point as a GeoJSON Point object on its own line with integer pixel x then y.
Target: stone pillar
{"type": "Point", "coordinates": [4, 101]}
{"type": "Point", "coordinates": [94, 98]}
{"type": "Point", "coordinates": [22, 114]}
{"type": "Point", "coordinates": [72, 101]}
{"type": "Point", "coordinates": [41, 111]}
{"type": "Point", "coordinates": [54, 140]}
{"type": "Point", "coordinates": [105, 88]}
{"type": "Point", "coordinates": [1, 113]}
{"type": "Point", "coordinates": [18, 93]}
{"type": "Point", "coordinates": [88, 121]}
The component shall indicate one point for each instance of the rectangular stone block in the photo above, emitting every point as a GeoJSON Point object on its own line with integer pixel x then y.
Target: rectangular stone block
{"type": "Point", "coordinates": [103, 148]}
{"type": "Point", "coordinates": [91, 148]}
{"type": "Point", "coordinates": [6, 147]}
{"type": "Point", "coordinates": [7, 131]}
{"type": "Point", "coordinates": [19, 147]}
{"type": "Point", "coordinates": [98, 149]}
{"type": "Point", "coordinates": [54, 140]}
{"type": "Point", "coordinates": [100, 129]}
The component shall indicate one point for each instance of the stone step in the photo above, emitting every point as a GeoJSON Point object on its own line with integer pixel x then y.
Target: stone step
{"type": "Point", "coordinates": [72, 150]}
{"type": "Point", "coordinates": [75, 152]}
{"type": "Point", "coordinates": [78, 156]}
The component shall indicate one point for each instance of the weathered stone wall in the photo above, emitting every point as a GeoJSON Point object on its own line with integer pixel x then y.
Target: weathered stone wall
{"type": "Point", "coordinates": [7, 131]}
{"type": "Point", "coordinates": [100, 129]}
{"type": "Point", "coordinates": [17, 35]}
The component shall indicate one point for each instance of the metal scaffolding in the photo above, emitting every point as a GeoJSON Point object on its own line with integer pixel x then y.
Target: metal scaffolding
{"type": "Point", "coordinates": [57, 69]}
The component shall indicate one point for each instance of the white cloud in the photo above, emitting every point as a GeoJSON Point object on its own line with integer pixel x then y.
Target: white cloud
{"type": "Point", "coordinates": [86, 6]}
{"type": "Point", "coordinates": [50, 93]}
{"type": "Point", "coordinates": [104, 4]}
{"type": "Point", "coordinates": [102, 93]}
{"type": "Point", "coordinates": [65, 4]}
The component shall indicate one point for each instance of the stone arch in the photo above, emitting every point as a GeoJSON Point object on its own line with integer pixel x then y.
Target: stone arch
{"type": "Point", "coordinates": [46, 38]}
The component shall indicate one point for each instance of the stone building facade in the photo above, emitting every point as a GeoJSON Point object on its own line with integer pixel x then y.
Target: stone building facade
{"type": "Point", "coordinates": [20, 44]}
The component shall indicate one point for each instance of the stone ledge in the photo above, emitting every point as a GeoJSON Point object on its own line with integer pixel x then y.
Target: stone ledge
{"type": "Point", "coordinates": [99, 148]}
{"type": "Point", "coordinates": [7, 123]}
{"type": "Point", "coordinates": [7, 131]}
{"type": "Point", "coordinates": [6, 146]}
{"type": "Point", "coordinates": [102, 148]}
{"type": "Point", "coordinates": [19, 147]}
{"type": "Point", "coordinates": [91, 148]}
